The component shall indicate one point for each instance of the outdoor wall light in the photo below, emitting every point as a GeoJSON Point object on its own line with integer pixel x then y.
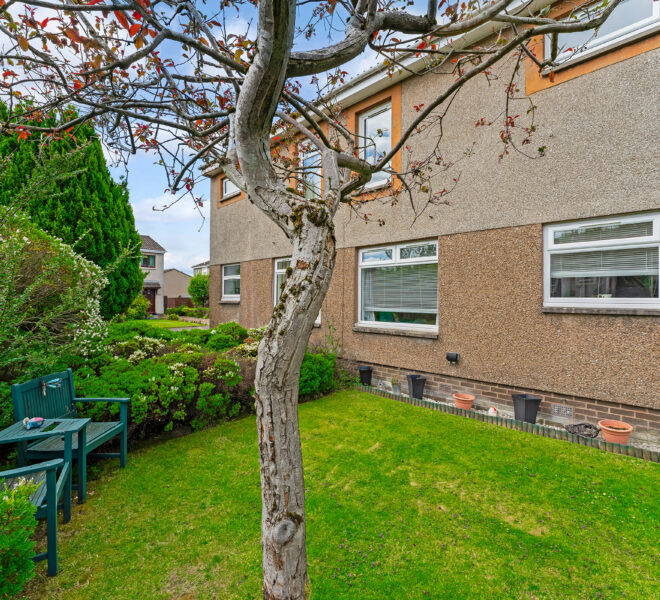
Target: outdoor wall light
{"type": "Point", "coordinates": [452, 357]}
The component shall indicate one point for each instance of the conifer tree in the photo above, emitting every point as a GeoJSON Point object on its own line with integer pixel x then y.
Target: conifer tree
{"type": "Point", "coordinates": [89, 210]}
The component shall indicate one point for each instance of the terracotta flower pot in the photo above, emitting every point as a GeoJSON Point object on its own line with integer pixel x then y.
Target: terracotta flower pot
{"type": "Point", "coordinates": [616, 432]}
{"type": "Point", "coordinates": [464, 401]}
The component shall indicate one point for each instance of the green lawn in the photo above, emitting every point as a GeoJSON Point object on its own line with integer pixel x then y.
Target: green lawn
{"type": "Point", "coordinates": [169, 324]}
{"type": "Point", "coordinates": [403, 503]}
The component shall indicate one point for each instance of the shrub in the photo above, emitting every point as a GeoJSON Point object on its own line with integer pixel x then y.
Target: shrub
{"type": "Point", "coordinates": [316, 374]}
{"type": "Point", "coordinates": [17, 525]}
{"type": "Point", "coordinates": [198, 288]}
{"type": "Point", "coordinates": [49, 300]}
{"type": "Point", "coordinates": [138, 308]}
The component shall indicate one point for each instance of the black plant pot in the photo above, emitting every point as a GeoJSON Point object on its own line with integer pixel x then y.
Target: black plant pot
{"type": "Point", "coordinates": [416, 385]}
{"type": "Point", "coordinates": [525, 407]}
{"type": "Point", "coordinates": [365, 375]}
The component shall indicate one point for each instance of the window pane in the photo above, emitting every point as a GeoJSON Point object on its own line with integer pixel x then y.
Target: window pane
{"type": "Point", "coordinates": [625, 14]}
{"type": "Point", "coordinates": [376, 130]}
{"type": "Point", "coordinates": [627, 273]}
{"type": "Point", "coordinates": [376, 255]}
{"type": "Point", "coordinates": [231, 287]}
{"type": "Point", "coordinates": [312, 164]}
{"type": "Point", "coordinates": [282, 264]}
{"type": "Point", "coordinates": [420, 251]}
{"type": "Point", "coordinates": [228, 187]}
{"type": "Point", "coordinates": [232, 270]}
{"type": "Point", "coordinates": [400, 294]}
{"type": "Point", "coordinates": [613, 231]}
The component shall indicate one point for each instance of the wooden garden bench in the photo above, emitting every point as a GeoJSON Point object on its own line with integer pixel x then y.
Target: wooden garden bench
{"type": "Point", "coordinates": [52, 477]}
{"type": "Point", "coordinates": [53, 396]}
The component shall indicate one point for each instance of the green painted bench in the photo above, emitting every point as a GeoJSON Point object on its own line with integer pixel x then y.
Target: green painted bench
{"type": "Point", "coordinates": [52, 477]}
{"type": "Point", "coordinates": [53, 396]}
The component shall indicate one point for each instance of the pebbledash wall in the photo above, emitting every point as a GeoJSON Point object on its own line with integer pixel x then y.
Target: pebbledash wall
{"type": "Point", "coordinates": [602, 131]}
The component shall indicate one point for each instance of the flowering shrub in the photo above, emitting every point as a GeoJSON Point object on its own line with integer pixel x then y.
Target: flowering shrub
{"type": "Point", "coordinates": [17, 525]}
{"type": "Point", "coordinates": [49, 301]}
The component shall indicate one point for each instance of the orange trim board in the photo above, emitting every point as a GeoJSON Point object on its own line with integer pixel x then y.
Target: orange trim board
{"type": "Point", "coordinates": [535, 81]}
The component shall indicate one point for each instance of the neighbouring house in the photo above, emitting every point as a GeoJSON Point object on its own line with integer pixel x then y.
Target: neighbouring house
{"type": "Point", "coordinates": [541, 274]}
{"type": "Point", "coordinates": [176, 288]}
{"type": "Point", "coordinates": [202, 268]}
{"type": "Point", "coordinates": [152, 263]}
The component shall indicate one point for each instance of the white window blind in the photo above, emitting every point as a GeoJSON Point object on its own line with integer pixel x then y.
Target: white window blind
{"type": "Point", "coordinates": [610, 231]}
{"type": "Point", "coordinates": [606, 263]}
{"type": "Point", "coordinates": [399, 285]}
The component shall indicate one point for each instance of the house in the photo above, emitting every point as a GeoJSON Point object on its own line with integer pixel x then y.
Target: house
{"type": "Point", "coordinates": [201, 268]}
{"type": "Point", "coordinates": [152, 263]}
{"type": "Point", "coordinates": [542, 274]}
{"type": "Point", "coordinates": [176, 288]}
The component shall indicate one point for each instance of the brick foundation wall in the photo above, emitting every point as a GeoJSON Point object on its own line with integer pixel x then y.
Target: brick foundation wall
{"type": "Point", "coordinates": [646, 421]}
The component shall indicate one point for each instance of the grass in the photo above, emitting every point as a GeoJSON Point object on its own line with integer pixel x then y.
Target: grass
{"type": "Point", "coordinates": [169, 323]}
{"type": "Point", "coordinates": [402, 502]}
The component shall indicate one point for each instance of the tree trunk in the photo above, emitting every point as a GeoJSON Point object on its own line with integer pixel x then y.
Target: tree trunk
{"type": "Point", "coordinates": [283, 525]}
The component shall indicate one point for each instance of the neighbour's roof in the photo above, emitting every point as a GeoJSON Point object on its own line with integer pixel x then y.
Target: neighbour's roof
{"type": "Point", "coordinates": [206, 263]}
{"type": "Point", "coordinates": [179, 270]}
{"type": "Point", "coordinates": [151, 245]}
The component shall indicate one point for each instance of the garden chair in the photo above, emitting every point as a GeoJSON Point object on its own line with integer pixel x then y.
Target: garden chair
{"type": "Point", "coordinates": [53, 479]}
{"type": "Point", "coordinates": [53, 396]}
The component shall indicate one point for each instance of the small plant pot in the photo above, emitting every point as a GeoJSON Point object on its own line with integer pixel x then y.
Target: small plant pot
{"type": "Point", "coordinates": [365, 375]}
{"type": "Point", "coordinates": [463, 401]}
{"type": "Point", "coordinates": [525, 407]}
{"type": "Point", "coordinates": [615, 432]}
{"type": "Point", "coordinates": [396, 389]}
{"type": "Point", "coordinates": [416, 385]}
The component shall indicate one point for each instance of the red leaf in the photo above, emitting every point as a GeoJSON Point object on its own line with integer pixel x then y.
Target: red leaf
{"type": "Point", "coordinates": [134, 29]}
{"type": "Point", "coordinates": [93, 2]}
{"type": "Point", "coordinates": [121, 17]}
{"type": "Point", "coordinates": [77, 85]}
{"type": "Point", "coordinates": [421, 45]}
{"type": "Point", "coordinates": [44, 23]}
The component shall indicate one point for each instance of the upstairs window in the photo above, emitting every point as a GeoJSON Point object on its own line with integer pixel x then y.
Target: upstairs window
{"type": "Point", "coordinates": [231, 282]}
{"type": "Point", "coordinates": [629, 20]}
{"type": "Point", "coordinates": [311, 163]}
{"type": "Point", "coordinates": [281, 266]}
{"type": "Point", "coordinates": [399, 286]}
{"type": "Point", "coordinates": [605, 263]}
{"type": "Point", "coordinates": [375, 126]}
{"type": "Point", "coordinates": [229, 189]}
{"type": "Point", "coordinates": [148, 261]}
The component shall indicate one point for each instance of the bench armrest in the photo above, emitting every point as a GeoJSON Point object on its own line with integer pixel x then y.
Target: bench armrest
{"type": "Point", "coordinates": [36, 468]}
{"type": "Point", "coordinates": [120, 400]}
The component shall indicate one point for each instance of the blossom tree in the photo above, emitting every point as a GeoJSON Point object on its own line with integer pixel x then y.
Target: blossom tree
{"type": "Point", "coordinates": [175, 78]}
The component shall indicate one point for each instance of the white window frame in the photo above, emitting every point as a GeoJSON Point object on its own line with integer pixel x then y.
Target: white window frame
{"type": "Point", "coordinates": [380, 179]}
{"type": "Point", "coordinates": [396, 260]}
{"type": "Point", "coordinates": [226, 195]}
{"type": "Point", "coordinates": [279, 271]}
{"type": "Point", "coordinates": [598, 45]}
{"type": "Point", "coordinates": [231, 297]}
{"type": "Point", "coordinates": [550, 248]}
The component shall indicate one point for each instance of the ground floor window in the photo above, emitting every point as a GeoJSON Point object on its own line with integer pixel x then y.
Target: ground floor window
{"type": "Point", "coordinates": [231, 282]}
{"type": "Point", "coordinates": [399, 285]}
{"type": "Point", "coordinates": [609, 262]}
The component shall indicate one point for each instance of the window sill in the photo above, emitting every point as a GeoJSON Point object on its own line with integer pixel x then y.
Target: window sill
{"type": "Point", "coordinates": [230, 301]}
{"type": "Point", "coordinates": [416, 333]}
{"type": "Point", "coordinates": [574, 310]}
